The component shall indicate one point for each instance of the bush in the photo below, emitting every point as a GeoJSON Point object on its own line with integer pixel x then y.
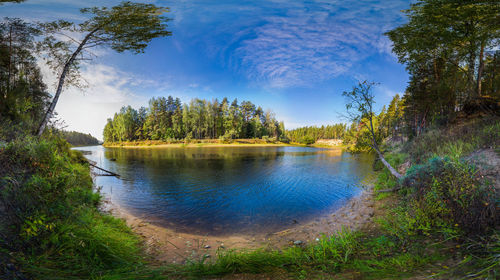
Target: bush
{"type": "Point", "coordinates": [55, 229]}
{"type": "Point", "coordinates": [450, 197]}
{"type": "Point", "coordinates": [283, 138]}
{"type": "Point", "coordinates": [225, 139]}
{"type": "Point", "coordinates": [188, 139]}
{"type": "Point", "coordinates": [307, 140]}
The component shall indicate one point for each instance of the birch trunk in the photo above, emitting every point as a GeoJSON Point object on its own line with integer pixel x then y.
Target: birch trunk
{"type": "Point", "coordinates": [60, 84]}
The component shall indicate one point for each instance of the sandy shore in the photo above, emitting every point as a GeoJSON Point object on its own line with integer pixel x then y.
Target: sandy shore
{"type": "Point", "coordinates": [215, 143]}
{"type": "Point", "coordinates": [168, 246]}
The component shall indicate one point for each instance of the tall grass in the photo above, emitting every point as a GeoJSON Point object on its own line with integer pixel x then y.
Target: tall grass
{"type": "Point", "coordinates": [343, 252]}
{"type": "Point", "coordinates": [455, 141]}
{"type": "Point", "coordinates": [56, 230]}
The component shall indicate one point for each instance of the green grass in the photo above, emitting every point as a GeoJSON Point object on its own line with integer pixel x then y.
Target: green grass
{"type": "Point", "coordinates": [455, 141]}
{"type": "Point", "coordinates": [344, 253]}
{"type": "Point", "coordinates": [56, 230]}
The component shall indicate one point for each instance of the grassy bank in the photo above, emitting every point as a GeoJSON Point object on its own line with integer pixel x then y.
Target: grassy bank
{"type": "Point", "coordinates": [52, 228]}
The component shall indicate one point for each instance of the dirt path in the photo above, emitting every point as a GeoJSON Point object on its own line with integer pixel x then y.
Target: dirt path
{"type": "Point", "coordinates": [168, 246]}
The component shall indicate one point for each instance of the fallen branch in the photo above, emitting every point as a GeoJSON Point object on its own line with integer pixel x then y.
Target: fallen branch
{"type": "Point", "coordinates": [102, 169]}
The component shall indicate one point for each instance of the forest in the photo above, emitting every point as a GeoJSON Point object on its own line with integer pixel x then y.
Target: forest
{"type": "Point", "coordinates": [168, 119]}
{"type": "Point", "coordinates": [439, 219]}
{"type": "Point", "coordinates": [310, 134]}
{"type": "Point", "coordinates": [76, 138]}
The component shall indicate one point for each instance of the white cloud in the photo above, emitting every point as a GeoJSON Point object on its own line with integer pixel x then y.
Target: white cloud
{"type": "Point", "coordinates": [86, 110]}
{"type": "Point", "coordinates": [314, 43]}
{"type": "Point", "coordinates": [283, 44]}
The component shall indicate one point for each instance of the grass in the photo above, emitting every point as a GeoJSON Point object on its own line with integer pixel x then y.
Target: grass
{"type": "Point", "coordinates": [344, 253]}
{"type": "Point", "coordinates": [56, 230]}
{"type": "Point", "coordinates": [456, 141]}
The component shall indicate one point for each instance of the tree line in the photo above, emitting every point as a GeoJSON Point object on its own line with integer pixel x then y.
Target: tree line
{"type": "Point", "coordinates": [168, 119]}
{"type": "Point", "coordinates": [310, 134]}
{"type": "Point", "coordinates": [76, 138]}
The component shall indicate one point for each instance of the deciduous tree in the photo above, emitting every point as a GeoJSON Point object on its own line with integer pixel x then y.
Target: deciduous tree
{"type": "Point", "coordinates": [126, 27]}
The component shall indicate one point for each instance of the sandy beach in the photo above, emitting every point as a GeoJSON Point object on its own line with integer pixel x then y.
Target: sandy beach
{"type": "Point", "coordinates": [169, 246]}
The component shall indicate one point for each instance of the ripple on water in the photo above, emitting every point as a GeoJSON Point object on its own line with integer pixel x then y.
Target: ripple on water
{"type": "Point", "coordinates": [227, 190]}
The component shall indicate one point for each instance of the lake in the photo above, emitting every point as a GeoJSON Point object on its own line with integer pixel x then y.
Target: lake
{"type": "Point", "coordinates": [230, 190]}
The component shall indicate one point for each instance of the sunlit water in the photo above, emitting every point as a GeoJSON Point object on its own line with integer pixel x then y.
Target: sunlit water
{"type": "Point", "coordinates": [228, 190]}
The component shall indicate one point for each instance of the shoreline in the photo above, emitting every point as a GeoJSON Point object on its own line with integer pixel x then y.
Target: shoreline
{"type": "Point", "coordinates": [166, 245]}
{"type": "Point", "coordinates": [214, 143]}
{"type": "Point", "coordinates": [196, 145]}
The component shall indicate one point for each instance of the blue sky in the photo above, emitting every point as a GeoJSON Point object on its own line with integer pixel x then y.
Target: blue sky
{"type": "Point", "coordinates": [294, 57]}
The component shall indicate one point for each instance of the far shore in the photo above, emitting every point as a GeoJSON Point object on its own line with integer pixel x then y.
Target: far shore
{"type": "Point", "coordinates": [213, 143]}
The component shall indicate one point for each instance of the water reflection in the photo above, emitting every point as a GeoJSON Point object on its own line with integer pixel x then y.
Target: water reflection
{"type": "Point", "coordinates": [226, 190]}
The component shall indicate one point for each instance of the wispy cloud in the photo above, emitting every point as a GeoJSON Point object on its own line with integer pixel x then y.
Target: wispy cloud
{"type": "Point", "coordinates": [315, 42]}
{"type": "Point", "coordinates": [284, 44]}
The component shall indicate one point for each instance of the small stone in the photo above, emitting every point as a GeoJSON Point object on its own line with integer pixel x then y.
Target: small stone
{"type": "Point", "coordinates": [298, 242]}
{"type": "Point", "coordinates": [207, 247]}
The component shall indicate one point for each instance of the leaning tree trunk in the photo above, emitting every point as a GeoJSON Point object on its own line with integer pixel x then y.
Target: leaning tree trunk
{"type": "Point", "coordinates": [375, 147]}
{"type": "Point", "coordinates": [60, 84]}
{"type": "Point", "coordinates": [391, 169]}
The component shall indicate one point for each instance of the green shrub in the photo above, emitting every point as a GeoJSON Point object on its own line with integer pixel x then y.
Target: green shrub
{"type": "Point", "coordinates": [55, 229]}
{"type": "Point", "coordinates": [283, 138]}
{"type": "Point", "coordinates": [307, 140]}
{"type": "Point", "coordinates": [449, 196]}
{"type": "Point", "coordinates": [225, 139]}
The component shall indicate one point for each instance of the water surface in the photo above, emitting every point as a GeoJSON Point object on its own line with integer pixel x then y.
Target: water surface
{"type": "Point", "coordinates": [228, 190]}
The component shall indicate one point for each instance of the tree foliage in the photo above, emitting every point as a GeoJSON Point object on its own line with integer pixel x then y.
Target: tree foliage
{"type": "Point", "coordinates": [359, 106]}
{"type": "Point", "coordinates": [450, 49]}
{"type": "Point", "coordinates": [168, 119]}
{"type": "Point", "coordinates": [76, 138]}
{"type": "Point", "coordinates": [126, 27]}
{"type": "Point", "coordinates": [23, 94]}
{"type": "Point", "coordinates": [315, 133]}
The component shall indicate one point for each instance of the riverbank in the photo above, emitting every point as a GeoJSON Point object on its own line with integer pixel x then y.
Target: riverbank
{"type": "Point", "coordinates": [216, 143]}
{"type": "Point", "coordinates": [167, 246]}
